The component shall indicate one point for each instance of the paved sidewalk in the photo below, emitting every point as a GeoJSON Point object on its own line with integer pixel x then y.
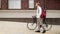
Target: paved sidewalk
{"type": "Point", "coordinates": [8, 27]}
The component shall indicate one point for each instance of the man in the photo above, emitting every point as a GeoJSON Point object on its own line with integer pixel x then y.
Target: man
{"type": "Point", "coordinates": [39, 19]}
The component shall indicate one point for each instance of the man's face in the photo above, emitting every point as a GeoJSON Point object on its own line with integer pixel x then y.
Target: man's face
{"type": "Point", "coordinates": [36, 5]}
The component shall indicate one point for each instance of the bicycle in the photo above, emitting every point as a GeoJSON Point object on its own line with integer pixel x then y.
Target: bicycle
{"type": "Point", "coordinates": [33, 25]}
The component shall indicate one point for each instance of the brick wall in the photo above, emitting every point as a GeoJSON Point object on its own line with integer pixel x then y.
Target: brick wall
{"type": "Point", "coordinates": [24, 4]}
{"type": "Point", "coordinates": [53, 4]}
{"type": "Point", "coordinates": [4, 4]}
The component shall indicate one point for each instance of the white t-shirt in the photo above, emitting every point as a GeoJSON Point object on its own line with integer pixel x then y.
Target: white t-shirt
{"type": "Point", "coordinates": [39, 11]}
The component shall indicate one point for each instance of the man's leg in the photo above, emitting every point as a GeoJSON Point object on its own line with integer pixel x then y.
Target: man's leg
{"type": "Point", "coordinates": [41, 22]}
{"type": "Point", "coordinates": [38, 25]}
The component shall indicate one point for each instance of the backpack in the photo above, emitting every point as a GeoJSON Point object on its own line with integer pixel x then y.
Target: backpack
{"type": "Point", "coordinates": [43, 15]}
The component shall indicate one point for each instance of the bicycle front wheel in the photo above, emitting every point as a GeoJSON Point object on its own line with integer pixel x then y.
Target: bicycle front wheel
{"type": "Point", "coordinates": [31, 26]}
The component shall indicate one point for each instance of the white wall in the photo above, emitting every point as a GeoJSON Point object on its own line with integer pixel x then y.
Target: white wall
{"type": "Point", "coordinates": [16, 13]}
{"type": "Point", "coordinates": [27, 13]}
{"type": "Point", "coordinates": [53, 14]}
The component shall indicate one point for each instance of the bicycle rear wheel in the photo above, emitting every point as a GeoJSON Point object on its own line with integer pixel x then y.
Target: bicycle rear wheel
{"type": "Point", "coordinates": [47, 25]}
{"type": "Point", "coordinates": [31, 26]}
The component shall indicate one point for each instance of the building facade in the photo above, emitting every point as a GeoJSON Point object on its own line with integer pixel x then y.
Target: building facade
{"type": "Point", "coordinates": [12, 10]}
{"type": "Point", "coordinates": [29, 4]}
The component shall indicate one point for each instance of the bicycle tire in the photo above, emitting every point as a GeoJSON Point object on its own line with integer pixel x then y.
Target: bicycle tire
{"type": "Point", "coordinates": [33, 26]}
{"type": "Point", "coordinates": [48, 26]}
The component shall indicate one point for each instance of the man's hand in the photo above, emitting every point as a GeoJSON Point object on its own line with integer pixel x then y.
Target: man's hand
{"type": "Point", "coordinates": [33, 16]}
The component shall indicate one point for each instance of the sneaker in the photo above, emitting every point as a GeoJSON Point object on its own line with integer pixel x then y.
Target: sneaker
{"type": "Point", "coordinates": [40, 26]}
{"type": "Point", "coordinates": [37, 31]}
{"type": "Point", "coordinates": [44, 31]}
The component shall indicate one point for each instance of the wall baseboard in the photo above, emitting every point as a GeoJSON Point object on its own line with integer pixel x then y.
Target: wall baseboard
{"type": "Point", "coordinates": [54, 21]}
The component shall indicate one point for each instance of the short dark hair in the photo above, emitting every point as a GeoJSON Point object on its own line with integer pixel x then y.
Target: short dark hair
{"type": "Point", "coordinates": [38, 3]}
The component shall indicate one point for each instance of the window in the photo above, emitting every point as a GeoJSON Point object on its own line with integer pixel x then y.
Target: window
{"type": "Point", "coordinates": [14, 4]}
{"type": "Point", "coordinates": [0, 3]}
{"type": "Point", "coordinates": [31, 3]}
